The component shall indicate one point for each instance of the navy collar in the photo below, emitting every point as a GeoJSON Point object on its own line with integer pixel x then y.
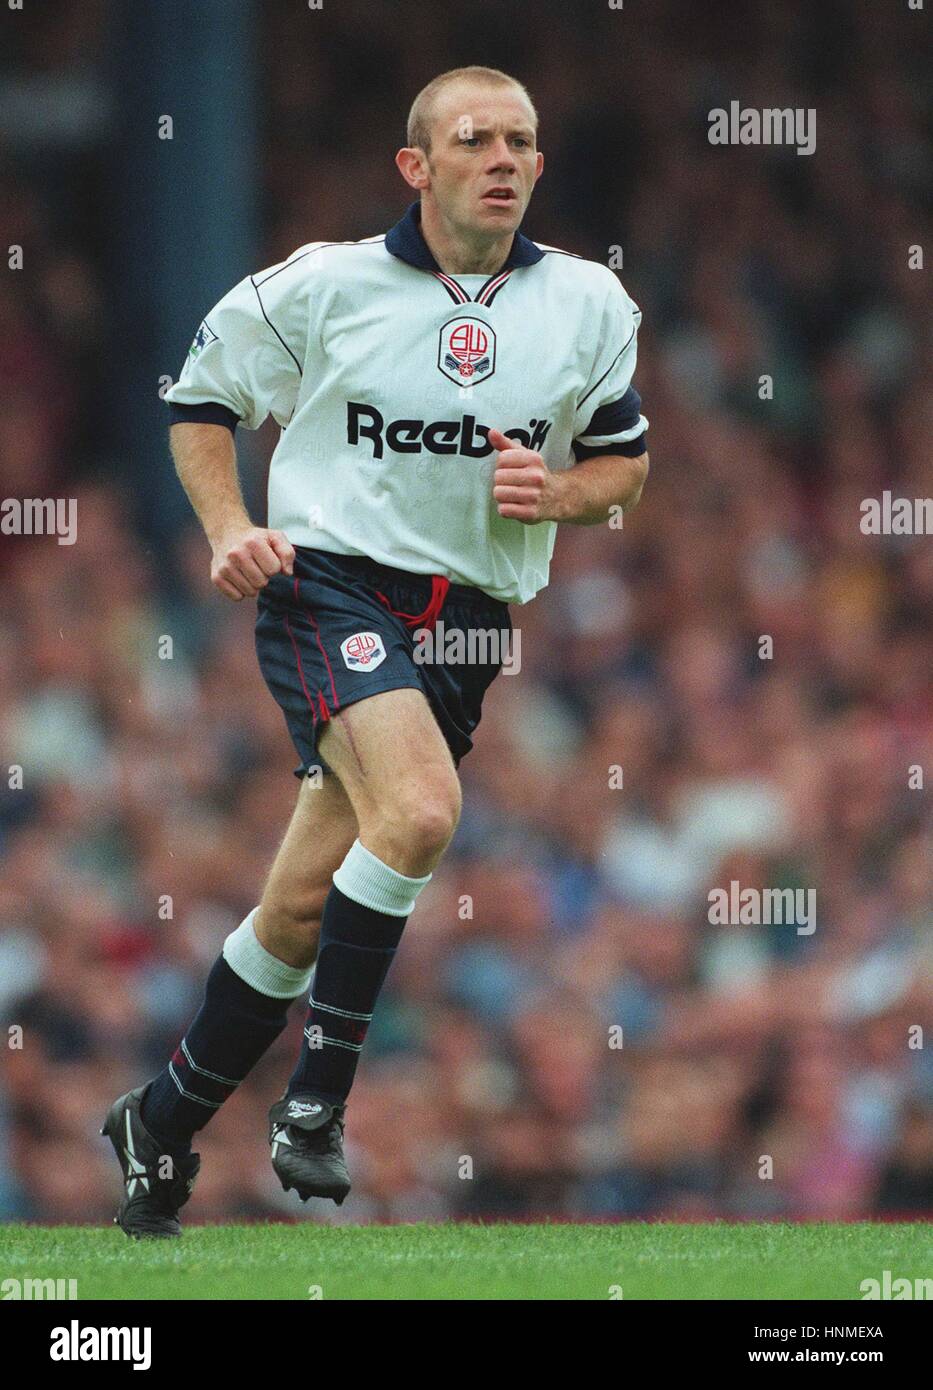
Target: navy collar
{"type": "Point", "coordinates": [406, 241]}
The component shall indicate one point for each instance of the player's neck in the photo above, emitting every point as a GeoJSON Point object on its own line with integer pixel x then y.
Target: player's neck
{"type": "Point", "coordinates": [457, 254]}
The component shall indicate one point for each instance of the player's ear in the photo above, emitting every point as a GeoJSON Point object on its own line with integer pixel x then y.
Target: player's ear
{"type": "Point", "coordinates": [412, 164]}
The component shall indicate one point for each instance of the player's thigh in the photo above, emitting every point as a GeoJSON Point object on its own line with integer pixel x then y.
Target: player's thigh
{"type": "Point", "coordinates": [390, 755]}
{"type": "Point", "coordinates": [322, 828]}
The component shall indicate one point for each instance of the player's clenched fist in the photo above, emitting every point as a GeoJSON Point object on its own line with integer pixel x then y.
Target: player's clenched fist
{"type": "Point", "coordinates": [524, 487]}
{"type": "Point", "coordinates": [245, 560]}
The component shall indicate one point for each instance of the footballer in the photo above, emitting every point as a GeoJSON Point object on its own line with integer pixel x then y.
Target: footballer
{"type": "Point", "coordinates": [447, 392]}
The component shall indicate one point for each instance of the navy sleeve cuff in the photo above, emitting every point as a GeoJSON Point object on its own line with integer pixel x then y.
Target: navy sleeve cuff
{"type": "Point", "coordinates": [616, 416]}
{"type": "Point", "coordinates": [629, 448]}
{"type": "Point", "coordinates": [210, 413]}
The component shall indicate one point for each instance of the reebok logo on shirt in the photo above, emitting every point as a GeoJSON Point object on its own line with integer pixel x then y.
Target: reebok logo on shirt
{"type": "Point", "coordinates": [463, 437]}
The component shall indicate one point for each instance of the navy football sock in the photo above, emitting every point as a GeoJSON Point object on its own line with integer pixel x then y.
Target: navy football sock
{"type": "Point", "coordinates": [233, 1028]}
{"type": "Point", "coordinates": [356, 949]}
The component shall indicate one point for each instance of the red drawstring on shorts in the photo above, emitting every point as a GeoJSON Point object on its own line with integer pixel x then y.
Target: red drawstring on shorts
{"type": "Point", "coordinates": [439, 587]}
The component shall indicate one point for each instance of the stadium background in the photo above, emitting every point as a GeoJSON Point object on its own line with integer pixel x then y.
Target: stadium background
{"type": "Point", "coordinates": [146, 777]}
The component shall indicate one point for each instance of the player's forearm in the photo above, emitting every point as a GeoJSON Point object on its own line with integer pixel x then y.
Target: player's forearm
{"type": "Point", "coordinates": [205, 461]}
{"type": "Point", "coordinates": [587, 491]}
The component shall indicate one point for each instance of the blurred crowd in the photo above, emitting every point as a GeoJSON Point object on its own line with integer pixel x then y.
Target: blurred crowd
{"type": "Point", "coordinates": [563, 1032]}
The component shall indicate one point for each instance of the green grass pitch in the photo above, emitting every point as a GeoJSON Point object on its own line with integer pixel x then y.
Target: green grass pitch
{"type": "Point", "coordinates": [634, 1261]}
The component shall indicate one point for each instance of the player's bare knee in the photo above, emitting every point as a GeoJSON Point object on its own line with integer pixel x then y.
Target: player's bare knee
{"type": "Point", "coordinates": [430, 827]}
{"type": "Point", "coordinates": [419, 823]}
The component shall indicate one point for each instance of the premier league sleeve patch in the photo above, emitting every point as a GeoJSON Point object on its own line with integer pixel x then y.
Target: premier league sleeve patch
{"type": "Point", "coordinates": [363, 651]}
{"type": "Point", "coordinates": [202, 339]}
{"type": "Point", "coordinates": [467, 350]}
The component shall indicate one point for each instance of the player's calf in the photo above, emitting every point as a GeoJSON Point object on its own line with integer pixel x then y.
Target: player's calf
{"type": "Point", "coordinates": [289, 928]}
{"type": "Point", "coordinates": [364, 917]}
{"type": "Point", "coordinates": [245, 1008]}
{"type": "Point", "coordinates": [322, 829]}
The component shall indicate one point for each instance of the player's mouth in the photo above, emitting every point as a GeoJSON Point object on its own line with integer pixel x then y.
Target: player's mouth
{"type": "Point", "coordinates": [500, 196]}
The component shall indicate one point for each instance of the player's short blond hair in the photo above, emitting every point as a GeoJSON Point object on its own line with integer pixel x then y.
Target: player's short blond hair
{"type": "Point", "coordinates": [422, 108]}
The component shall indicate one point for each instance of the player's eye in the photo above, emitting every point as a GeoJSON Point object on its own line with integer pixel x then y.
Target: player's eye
{"type": "Point", "coordinates": [470, 140]}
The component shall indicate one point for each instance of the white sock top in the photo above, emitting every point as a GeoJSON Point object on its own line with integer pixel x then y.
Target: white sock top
{"type": "Point", "coordinates": [248, 958]}
{"type": "Point", "coordinates": [363, 877]}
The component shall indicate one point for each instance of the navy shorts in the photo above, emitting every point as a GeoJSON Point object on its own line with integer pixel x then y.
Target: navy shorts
{"type": "Point", "coordinates": [342, 628]}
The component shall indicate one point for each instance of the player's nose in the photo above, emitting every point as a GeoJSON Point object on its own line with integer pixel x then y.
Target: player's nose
{"type": "Point", "coordinates": [501, 155]}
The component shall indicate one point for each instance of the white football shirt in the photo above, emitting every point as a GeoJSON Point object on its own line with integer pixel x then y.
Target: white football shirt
{"type": "Point", "coordinates": [385, 374]}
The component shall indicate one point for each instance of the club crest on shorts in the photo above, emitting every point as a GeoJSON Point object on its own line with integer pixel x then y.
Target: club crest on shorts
{"type": "Point", "coordinates": [363, 651]}
{"type": "Point", "coordinates": [467, 351]}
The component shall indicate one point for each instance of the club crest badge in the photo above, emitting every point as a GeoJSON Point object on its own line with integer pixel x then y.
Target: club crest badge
{"type": "Point", "coordinates": [364, 651]}
{"type": "Point", "coordinates": [467, 351]}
